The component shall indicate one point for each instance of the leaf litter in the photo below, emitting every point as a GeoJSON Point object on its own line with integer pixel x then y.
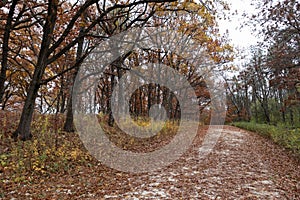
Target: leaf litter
{"type": "Point", "coordinates": [242, 165]}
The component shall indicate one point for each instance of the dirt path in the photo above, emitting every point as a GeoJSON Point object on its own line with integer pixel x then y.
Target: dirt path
{"type": "Point", "coordinates": [242, 165]}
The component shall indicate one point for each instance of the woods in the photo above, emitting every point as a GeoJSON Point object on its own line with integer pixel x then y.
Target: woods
{"type": "Point", "coordinates": [266, 90]}
{"type": "Point", "coordinates": [71, 69]}
{"type": "Point", "coordinates": [44, 44]}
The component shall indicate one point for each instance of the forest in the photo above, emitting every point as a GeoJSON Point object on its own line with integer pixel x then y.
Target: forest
{"type": "Point", "coordinates": [46, 51]}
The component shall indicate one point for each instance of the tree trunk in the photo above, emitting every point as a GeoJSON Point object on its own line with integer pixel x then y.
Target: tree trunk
{"type": "Point", "coordinates": [69, 123]}
{"type": "Point", "coordinates": [5, 48]}
{"type": "Point", "coordinates": [149, 98]}
{"type": "Point", "coordinates": [112, 84]}
{"type": "Point", "coordinates": [140, 112]}
{"type": "Point", "coordinates": [292, 117]}
{"type": "Point", "coordinates": [282, 106]}
{"type": "Point", "coordinates": [120, 105]}
{"type": "Point", "coordinates": [247, 104]}
{"type": "Point", "coordinates": [107, 89]}
{"type": "Point", "coordinates": [23, 130]}
{"type": "Point", "coordinates": [255, 110]}
{"type": "Point", "coordinates": [265, 108]}
{"type": "Point", "coordinates": [60, 106]}
{"type": "Point", "coordinates": [167, 102]}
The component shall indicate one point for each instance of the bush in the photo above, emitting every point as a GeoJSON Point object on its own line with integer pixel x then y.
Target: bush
{"type": "Point", "coordinates": [50, 150]}
{"type": "Point", "coordinates": [284, 136]}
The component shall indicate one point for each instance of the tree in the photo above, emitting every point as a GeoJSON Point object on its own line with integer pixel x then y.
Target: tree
{"type": "Point", "coordinates": [23, 129]}
{"type": "Point", "coordinates": [5, 47]}
{"type": "Point", "coordinates": [52, 48]}
{"type": "Point", "coordinates": [281, 29]}
{"type": "Point", "coordinates": [273, 71]}
{"type": "Point", "coordinates": [118, 20]}
{"type": "Point", "coordinates": [42, 46]}
{"type": "Point", "coordinates": [191, 19]}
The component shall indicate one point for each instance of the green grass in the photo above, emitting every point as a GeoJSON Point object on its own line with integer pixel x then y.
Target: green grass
{"type": "Point", "coordinates": [284, 136]}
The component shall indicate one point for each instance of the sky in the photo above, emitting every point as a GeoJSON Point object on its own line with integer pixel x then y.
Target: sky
{"type": "Point", "coordinates": [241, 38]}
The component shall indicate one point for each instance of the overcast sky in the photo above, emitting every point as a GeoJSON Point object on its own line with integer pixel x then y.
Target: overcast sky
{"type": "Point", "coordinates": [241, 38]}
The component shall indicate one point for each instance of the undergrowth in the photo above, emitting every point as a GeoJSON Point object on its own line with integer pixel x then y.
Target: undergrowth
{"type": "Point", "coordinates": [49, 151]}
{"type": "Point", "coordinates": [284, 136]}
{"type": "Point", "coordinates": [53, 151]}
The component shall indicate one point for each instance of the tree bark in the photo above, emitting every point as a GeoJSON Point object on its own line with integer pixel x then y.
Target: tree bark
{"type": "Point", "coordinates": [69, 123]}
{"type": "Point", "coordinates": [5, 48]}
{"type": "Point", "coordinates": [23, 130]}
{"type": "Point", "coordinates": [112, 85]}
{"type": "Point", "coordinates": [282, 106]}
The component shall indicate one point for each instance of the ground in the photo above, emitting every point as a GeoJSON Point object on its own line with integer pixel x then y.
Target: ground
{"type": "Point", "coordinates": [242, 165]}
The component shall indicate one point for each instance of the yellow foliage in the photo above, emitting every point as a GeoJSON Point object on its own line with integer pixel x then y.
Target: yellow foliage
{"type": "Point", "coordinates": [45, 153]}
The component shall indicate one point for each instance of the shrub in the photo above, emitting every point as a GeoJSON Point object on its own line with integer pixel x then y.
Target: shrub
{"type": "Point", "coordinates": [284, 136]}
{"type": "Point", "coordinates": [50, 150]}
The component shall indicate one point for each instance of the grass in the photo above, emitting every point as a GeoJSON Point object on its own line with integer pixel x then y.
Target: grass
{"type": "Point", "coordinates": [284, 136]}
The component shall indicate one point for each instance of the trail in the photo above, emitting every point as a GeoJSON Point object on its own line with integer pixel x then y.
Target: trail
{"type": "Point", "coordinates": [241, 166]}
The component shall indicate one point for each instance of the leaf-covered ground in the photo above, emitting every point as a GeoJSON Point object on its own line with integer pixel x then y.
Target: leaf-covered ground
{"type": "Point", "coordinates": [242, 165]}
